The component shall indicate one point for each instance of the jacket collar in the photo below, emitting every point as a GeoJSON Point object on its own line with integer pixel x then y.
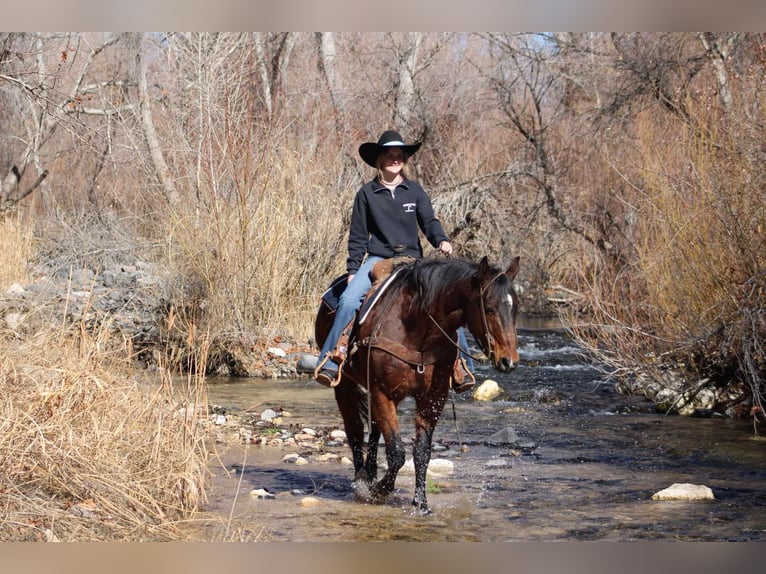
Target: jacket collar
{"type": "Point", "coordinates": [377, 186]}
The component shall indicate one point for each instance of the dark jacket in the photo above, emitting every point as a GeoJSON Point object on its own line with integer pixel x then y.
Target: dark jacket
{"type": "Point", "coordinates": [380, 223]}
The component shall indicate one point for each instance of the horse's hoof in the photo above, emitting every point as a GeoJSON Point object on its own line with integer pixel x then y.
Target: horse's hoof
{"type": "Point", "coordinates": [421, 509]}
{"type": "Point", "coordinates": [362, 491]}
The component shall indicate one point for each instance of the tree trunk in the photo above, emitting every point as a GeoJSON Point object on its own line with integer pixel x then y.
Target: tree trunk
{"type": "Point", "coordinates": [161, 169]}
{"type": "Point", "coordinates": [406, 92]}
{"type": "Point", "coordinates": [327, 56]}
{"type": "Point", "coordinates": [718, 53]}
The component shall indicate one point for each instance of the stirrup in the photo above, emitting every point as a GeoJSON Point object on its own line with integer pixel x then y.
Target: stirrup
{"type": "Point", "coordinates": [457, 382]}
{"type": "Point", "coordinates": [318, 370]}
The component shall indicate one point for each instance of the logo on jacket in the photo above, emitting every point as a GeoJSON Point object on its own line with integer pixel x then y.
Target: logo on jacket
{"type": "Point", "coordinates": [409, 207]}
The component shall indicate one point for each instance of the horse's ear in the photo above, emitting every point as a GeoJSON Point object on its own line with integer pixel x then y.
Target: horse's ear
{"type": "Point", "coordinates": [484, 269]}
{"type": "Point", "coordinates": [514, 268]}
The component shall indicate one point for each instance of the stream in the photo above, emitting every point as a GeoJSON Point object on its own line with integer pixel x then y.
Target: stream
{"type": "Point", "coordinates": [589, 462]}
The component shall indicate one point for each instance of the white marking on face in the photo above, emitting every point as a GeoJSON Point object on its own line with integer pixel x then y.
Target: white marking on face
{"type": "Point", "coordinates": [509, 299]}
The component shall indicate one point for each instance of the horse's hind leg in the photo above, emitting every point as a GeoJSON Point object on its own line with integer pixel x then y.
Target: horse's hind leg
{"type": "Point", "coordinates": [388, 424]}
{"type": "Point", "coordinates": [348, 399]}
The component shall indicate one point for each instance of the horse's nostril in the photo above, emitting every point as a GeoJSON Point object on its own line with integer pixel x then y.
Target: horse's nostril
{"type": "Point", "coordinates": [506, 365]}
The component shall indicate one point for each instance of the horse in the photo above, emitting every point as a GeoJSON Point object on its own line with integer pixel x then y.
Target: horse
{"type": "Point", "coordinates": [406, 346]}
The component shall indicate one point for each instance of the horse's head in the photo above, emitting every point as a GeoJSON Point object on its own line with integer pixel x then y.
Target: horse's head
{"type": "Point", "coordinates": [492, 312]}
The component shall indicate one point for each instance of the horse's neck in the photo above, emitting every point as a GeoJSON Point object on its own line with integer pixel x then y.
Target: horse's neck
{"type": "Point", "coordinates": [450, 311]}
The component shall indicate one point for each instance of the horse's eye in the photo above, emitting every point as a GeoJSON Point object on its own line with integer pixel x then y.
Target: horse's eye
{"type": "Point", "coordinates": [490, 310]}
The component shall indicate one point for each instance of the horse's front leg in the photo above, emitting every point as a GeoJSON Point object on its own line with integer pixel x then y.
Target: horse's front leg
{"type": "Point", "coordinates": [429, 409]}
{"type": "Point", "coordinates": [371, 464]}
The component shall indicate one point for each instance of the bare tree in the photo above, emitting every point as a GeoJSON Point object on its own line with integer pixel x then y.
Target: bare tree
{"type": "Point", "coordinates": [718, 48]}
{"type": "Point", "coordinates": [53, 85]}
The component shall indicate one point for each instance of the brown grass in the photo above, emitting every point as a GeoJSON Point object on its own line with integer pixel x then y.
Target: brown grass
{"type": "Point", "coordinates": [686, 299]}
{"type": "Point", "coordinates": [90, 448]}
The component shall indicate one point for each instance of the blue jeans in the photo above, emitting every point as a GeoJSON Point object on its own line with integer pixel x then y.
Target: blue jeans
{"type": "Point", "coordinates": [463, 342]}
{"type": "Point", "coordinates": [348, 304]}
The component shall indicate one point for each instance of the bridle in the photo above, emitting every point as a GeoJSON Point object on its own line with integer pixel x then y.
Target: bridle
{"type": "Point", "coordinates": [490, 350]}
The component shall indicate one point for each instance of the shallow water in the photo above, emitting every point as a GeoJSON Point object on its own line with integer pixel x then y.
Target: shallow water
{"type": "Point", "coordinates": [593, 461]}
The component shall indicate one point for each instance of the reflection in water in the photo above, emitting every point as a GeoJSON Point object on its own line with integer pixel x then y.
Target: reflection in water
{"type": "Point", "coordinates": [597, 459]}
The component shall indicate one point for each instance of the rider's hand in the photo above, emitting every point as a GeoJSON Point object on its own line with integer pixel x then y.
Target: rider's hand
{"type": "Point", "coordinates": [445, 247]}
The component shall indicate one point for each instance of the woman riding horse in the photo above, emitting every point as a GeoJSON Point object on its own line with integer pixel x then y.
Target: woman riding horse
{"type": "Point", "coordinates": [387, 213]}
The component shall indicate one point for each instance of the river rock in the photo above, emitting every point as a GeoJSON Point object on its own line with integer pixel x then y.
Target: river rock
{"type": "Point", "coordinates": [338, 434]}
{"type": "Point", "coordinates": [486, 391]}
{"type": "Point", "coordinates": [306, 363]}
{"type": "Point", "coordinates": [268, 414]}
{"type": "Point", "coordinates": [685, 491]}
{"type": "Point", "coordinates": [261, 493]}
{"type": "Point", "coordinates": [310, 501]}
{"type": "Point", "coordinates": [504, 437]}
{"type": "Point", "coordinates": [436, 467]}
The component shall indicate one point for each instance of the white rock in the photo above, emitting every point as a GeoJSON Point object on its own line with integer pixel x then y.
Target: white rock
{"type": "Point", "coordinates": [15, 289]}
{"type": "Point", "coordinates": [437, 467]}
{"type": "Point", "coordinates": [310, 501]}
{"type": "Point", "coordinates": [486, 391]}
{"type": "Point", "coordinates": [326, 457]}
{"type": "Point", "coordinates": [261, 493]}
{"type": "Point", "coordinates": [277, 352]}
{"type": "Point", "coordinates": [268, 414]}
{"type": "Point", "coordinates": [292, 457]}
{"type": "Point", "coordinates": [220, 420]}
{"type": "Point", "coordinates": [338, 435]}
{"type": "Point", "coordinates": [13, 320]}
{"type": "Point", "coordinates": [308, 430]}
{"type": "Point", "coordinates": [685, 491]}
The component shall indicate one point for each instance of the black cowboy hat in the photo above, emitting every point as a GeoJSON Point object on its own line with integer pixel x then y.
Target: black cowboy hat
{"type": "Point", "coordinates": [369, 151]}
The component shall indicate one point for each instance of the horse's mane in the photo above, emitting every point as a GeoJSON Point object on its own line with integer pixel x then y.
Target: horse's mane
{"type": "Point", "coordinates": [429, 277]}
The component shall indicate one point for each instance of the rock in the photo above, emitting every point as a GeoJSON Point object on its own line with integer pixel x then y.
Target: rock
{"type": "Point", "coordinates": [306, 363]}
{"type": "Point", "coordinates": [497, 463]}
{"type": "Point", "coordinates": [326, 457]}
{"type": "Point", "coordinates": [15, 289]}
{"type": "Point", "coordinates": [310, 501]}
{"type": "Point", "coordinates": [685, 491]}
{"type": "Point", "coordinates": [437, 467]}
{"type": "Point", "coordinates": [261, 493]}
{"type": "Point", "coordinates": [294, 458]}
{"type": "Point", "coordinates": [338, 435]}
{"type": "Point", "coordinates": [277, 352]}
{"type": "Point", "coordinates": [504, 437]}
{"type": "Point", "coordinates": [268, 414]}
{"type": "Point", "coordinates": [13, 320]}
{"type": "Point", "coordinates": [486, 391]}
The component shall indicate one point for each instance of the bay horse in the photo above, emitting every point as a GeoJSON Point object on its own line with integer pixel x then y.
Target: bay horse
{"type": "Point", "coordinates": [406, 346]}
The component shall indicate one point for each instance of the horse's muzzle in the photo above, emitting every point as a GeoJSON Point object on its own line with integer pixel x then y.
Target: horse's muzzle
{"type": "Point", "coordinates": [505, 365]}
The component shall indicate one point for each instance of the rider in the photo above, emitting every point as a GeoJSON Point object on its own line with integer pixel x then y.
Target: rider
{"type": "Point", "coordinates": [387, 213]}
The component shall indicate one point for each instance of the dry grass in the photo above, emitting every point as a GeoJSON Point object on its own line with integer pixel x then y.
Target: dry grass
{"type": "Point", "coordinates": [263, 246]}
{"type": "Point", "coordinates": [689, 296]}
{"type": "Point", "coordinates": [90, 450]}
{"type": "Point", "coordinates": [18, 245]}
